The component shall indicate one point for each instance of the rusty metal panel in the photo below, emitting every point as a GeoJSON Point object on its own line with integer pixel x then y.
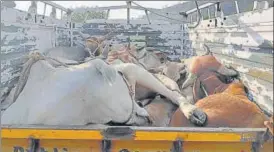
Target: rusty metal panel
{"type": "Point", "coordinates": [21, 33]}
{"type": "Point", "coordinates": [166, 37]}
{"type": "Point", "coordinates": [244, 41]}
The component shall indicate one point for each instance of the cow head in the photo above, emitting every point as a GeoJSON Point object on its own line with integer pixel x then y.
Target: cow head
{"type": "Point", "coordinates": [201, 64]}
{"type": "Point", "coordinates": [174, 70]}
{"type": "Point", "coordinates": [94, 45]}
{"type": "Point", "coordinates": [149, 58]}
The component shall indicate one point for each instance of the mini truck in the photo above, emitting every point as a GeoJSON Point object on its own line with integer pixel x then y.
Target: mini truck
{"type": "Point", "coordinates": [239, 33]}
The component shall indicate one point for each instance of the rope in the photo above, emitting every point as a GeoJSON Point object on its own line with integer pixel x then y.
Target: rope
{"type": "Point", "coordinates": [105, 37]}
{"type": "Point", "coordinates": [33, 58]}
{"type": "Point", "coordinates": [131, 96]}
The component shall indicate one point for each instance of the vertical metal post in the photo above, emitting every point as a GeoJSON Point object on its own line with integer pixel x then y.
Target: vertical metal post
{"type": "Point", "coordinates": [106, 146]}
{"type": "Point", "coordinates": [62, 14]}
{"type": "Point", "coordinates": [107, 14]}
{"type": "Point", "coordinates": [128, 19]}
{"type": "Point", "coordinates": [182, 35]}
{"type": "Point", "coordinates": [45, 6]}
{"type": "Point", "coordinates": [208, 13]}
{"type": "Point", "coordinates": [55, 35]}
{"type": "Point", "coordinates": [255, 5]}
{"type": "Point", "coordinates": [177, 146]}
{"type": "Point", "coordinates": [71, 34]}
{"type": "Point", "coordinates": [34, 145]}
{"type": "Point", "coordinates": [128, 11]}
{"type": "Point", "coordinates": [216, 10]}
{"type": "Point", "coordinates": [147, 17]}
{"type": "Point", "coordinates": [237, 7]}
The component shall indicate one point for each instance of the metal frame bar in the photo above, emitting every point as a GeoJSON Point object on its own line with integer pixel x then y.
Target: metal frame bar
{"type": "Point", "coordinates": [147, 17]}
{"type": "Point", "coordinates": [55, 5]}
{"type": "Point", "coordinates": [192, 129]}
{"type": "Point", "coordinates": [237, 7]}
{"type": "Point", "coordinates": [107, 16]}
{"type": "Point", "coordinates": [45, 7]}
{"type": "Point", "coordinates": [255, 3]}
{"type": "Point", "coordinates": [200, 7]}
{"type": "Point", "coordinates": [128, 11]}
{"type": "Point", "coordinates": [119, 7]}
{"type": "Point", "coordinates": [150, 133]}
{"type": "Point", "coordinates": [208, 13]}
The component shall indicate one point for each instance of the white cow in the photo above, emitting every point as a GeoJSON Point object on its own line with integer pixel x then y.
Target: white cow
{"type": "Point", "coordinates": [92, 92]}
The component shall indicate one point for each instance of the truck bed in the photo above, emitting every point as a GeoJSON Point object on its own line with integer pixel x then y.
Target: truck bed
{"type": "Point", "coordinates": [248, 47]}
{"type": "Point", "coordinates": [133, 139]}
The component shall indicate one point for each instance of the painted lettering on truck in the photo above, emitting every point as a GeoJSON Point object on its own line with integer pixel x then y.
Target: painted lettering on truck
{"type": "Point", "coordinates": [22, 149]}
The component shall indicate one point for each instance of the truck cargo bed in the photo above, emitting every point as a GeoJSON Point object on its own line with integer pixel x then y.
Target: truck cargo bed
{"type": "Point", "coordinates": [133, 139]}
{"type": "Point", "coordinates": [244, 40]}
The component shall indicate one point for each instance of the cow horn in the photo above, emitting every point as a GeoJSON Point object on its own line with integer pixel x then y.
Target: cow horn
{"type": "Point", "coordinates": [226, 71]}
{"type": "Point", "coordinates": [189, 80]}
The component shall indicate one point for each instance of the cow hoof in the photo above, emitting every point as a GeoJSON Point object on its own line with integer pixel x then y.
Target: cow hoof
{"type": "Point", "coordinates": [198, 117]}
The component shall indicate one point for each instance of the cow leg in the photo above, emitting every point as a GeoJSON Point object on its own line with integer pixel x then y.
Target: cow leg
{"type": "Point", "coordinates": [146, 79]}
{"type": "Point", "coordinates": [188, 93]}
{"type": "Point", "coordinates": [132, 84]}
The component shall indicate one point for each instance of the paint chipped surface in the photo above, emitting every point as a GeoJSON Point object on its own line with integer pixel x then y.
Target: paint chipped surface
{"type": "Point", "coordinates": [163, 37]}
{"type": "Point", "coordinates": [21, 33]}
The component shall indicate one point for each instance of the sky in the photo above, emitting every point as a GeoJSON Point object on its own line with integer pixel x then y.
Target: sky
{"type": "Point", "coordinates": [114, 14]}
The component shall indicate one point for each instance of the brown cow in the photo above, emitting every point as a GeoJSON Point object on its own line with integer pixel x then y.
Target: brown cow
{"type": "Point", "coordinates": [206, 72]}
{"type": "Point", "coordinates": [230, 108]}
{"type": "Point", "coordinates": [201, 64]}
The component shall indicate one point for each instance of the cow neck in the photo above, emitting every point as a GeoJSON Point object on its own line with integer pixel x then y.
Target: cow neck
{"type": "Point", "coordinates": [210, 82]}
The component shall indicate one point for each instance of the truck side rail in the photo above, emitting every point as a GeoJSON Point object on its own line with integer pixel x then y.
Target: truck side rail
{"type": "Point", "coordinates": [104, 137]}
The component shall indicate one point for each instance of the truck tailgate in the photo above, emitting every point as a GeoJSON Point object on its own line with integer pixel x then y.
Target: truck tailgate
{"type": "Point", "coordinates": [133, 139]}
